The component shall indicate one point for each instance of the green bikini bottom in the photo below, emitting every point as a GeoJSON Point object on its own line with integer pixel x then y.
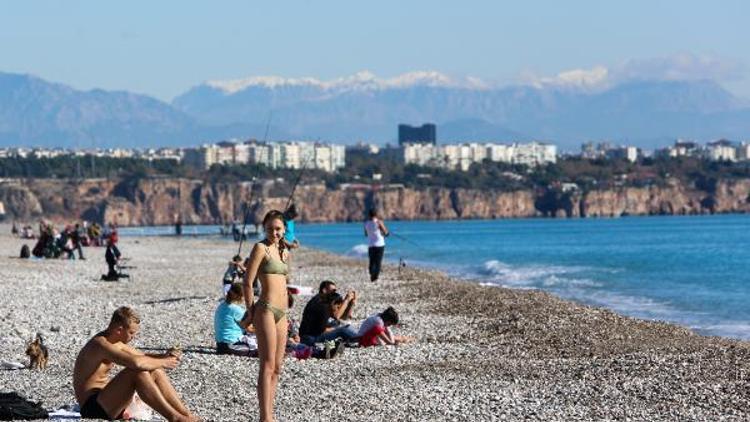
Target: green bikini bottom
{"type": "Point", "coordinates": [278, 314]}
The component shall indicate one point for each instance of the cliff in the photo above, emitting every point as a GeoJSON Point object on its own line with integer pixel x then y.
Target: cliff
{"type": "Point", "coordinates": [159, 201]}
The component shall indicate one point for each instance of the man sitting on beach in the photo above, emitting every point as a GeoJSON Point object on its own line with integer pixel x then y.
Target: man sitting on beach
{"type": "Point", "coordinates": [326, 287]}
{"type": "Point", "coordinates": [102, 398]}
{"type": "Point", "coordinates": [313, 328]}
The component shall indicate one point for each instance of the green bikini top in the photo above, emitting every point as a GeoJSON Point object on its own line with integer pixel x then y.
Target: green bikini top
{"type": "Point", "coordinates": [273, 265]}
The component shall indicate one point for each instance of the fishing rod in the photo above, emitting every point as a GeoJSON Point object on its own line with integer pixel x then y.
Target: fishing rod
{"type": "Point", "coordinates": [252, 190]}
{"type": "Point", "coordinates": [296, 182]}
{"type": "Point", "coordinates": [405, 239]}
{"type": "Point", "coordinates": [244, 221]}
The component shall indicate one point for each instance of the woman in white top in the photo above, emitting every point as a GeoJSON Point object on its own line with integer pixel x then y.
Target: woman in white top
{"type": "Point", "coordinates": [375, 231]}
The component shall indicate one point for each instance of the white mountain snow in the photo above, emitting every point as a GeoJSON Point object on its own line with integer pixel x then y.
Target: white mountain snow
{"type": "Point", "coordinates": [363, 80]}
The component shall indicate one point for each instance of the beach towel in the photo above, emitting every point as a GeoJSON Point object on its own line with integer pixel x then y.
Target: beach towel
{"type": "Point", "coordinates": [136, 410]}
{"type": "Point", "coordinates": [65, 413]}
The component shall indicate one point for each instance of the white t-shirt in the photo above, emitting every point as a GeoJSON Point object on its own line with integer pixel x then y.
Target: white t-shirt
{"type": "Point", "coordinates": [374, 236]}
{"type": "Point", "coordinates": [370, 323]}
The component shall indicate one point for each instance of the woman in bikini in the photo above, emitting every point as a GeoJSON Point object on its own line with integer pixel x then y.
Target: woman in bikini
{"type": "Point", "coordinates": [269, 262]}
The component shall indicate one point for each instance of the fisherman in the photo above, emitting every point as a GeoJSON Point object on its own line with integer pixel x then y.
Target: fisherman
{"type": "Point", "coordinates": [376, 233]}
{"type": "Point", "coordinates": [290, 238]}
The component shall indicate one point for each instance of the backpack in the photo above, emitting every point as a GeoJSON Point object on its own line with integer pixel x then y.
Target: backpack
{"type": "Point", "coordinates": [25, 251]}
{"type": "Point", "coordinates": [14, 406]}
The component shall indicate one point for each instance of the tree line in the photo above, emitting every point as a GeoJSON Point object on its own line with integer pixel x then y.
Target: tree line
{"type": "Point", "coordinates": [586, 174]}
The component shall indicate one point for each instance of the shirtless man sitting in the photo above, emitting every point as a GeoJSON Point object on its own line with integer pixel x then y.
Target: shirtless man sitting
{"type": "Point", "coordinates": [102, 398]}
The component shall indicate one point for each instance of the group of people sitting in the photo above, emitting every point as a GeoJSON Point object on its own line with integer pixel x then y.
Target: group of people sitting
{"type": "Point", "coordinates": [323, 333]}
{"type": "Point", "coordinates": [55, 243]}
{"type": "Point", "coordinates": [326, 314]}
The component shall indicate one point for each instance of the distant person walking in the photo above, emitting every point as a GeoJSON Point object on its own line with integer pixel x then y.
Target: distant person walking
{"type": "Point", "coordinates": [376, 232]}
{"type": "Point", "coordinates": [77, 237]}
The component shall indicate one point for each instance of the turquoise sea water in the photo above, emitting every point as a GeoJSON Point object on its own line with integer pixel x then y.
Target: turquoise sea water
{"type": "Point", "coordinates": [694, 271]}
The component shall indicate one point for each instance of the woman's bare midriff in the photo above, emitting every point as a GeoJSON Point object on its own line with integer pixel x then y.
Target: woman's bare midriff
{"type": "Point", "coordinates": [273, 290]}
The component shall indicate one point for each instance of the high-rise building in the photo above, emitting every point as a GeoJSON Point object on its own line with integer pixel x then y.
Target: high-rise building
{"type": "Point", "coordinates": [425, 134]}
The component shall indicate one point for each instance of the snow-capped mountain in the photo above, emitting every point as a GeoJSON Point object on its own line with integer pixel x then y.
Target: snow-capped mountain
{"type": "Point", "coordinates": [569, 109]}
{"type": "Point", "coordinates": [363, 80]}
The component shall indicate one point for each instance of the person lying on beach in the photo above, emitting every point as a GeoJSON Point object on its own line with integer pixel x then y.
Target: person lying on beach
{"type": "Point", "coordinates": [104, 398]}
{"type": "Point", "coordinates": [375, 330]}
{"type": "Point", "coordinates": [234, 271]}
{"type": "Point", "coordinates": [314, 327]}
{"type": "Point", "coordinates": [230, 319]}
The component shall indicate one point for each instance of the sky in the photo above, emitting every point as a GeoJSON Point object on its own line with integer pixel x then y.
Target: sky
{"type": "Point", "coordinates": [163, 48]}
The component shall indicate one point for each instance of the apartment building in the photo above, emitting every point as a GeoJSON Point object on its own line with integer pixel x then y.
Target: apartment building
{"type": "Point", "coordinates": [295, 155]}
{"type": "Point", "coordinates": [721, 150]}
{"type": "Point", "coordinates": [462, 156]}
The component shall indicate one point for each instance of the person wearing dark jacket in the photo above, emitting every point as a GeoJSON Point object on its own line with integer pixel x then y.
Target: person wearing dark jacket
{"type": "Point", "coordinates": [112, 256]}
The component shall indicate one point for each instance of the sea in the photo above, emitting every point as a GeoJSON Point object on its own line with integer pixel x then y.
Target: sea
{"type": "Point", "coordinates": [689, 270]}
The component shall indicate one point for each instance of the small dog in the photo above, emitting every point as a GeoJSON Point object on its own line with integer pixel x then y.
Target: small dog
{"type": "Point", "coordinates": [37, 353]}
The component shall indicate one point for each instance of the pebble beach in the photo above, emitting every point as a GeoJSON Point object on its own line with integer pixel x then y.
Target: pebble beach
{"type": "Point", "coordinates": [481, 353]}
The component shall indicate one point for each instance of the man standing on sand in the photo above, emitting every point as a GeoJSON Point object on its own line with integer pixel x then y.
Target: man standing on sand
{"type": "Point", "coordinates": [376, 232]}
{"type": "Point", "coordinates": [102, 398]}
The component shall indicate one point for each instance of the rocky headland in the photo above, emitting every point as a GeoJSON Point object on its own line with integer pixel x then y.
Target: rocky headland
{"type": "Point", "coordinates": [163, 200]}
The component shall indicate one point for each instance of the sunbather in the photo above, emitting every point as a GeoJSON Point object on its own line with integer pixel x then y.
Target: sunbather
{"type": "Point", "coordinates": [104, 398]}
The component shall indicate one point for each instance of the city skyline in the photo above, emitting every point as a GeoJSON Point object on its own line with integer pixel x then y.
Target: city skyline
{"type": "Point", "coordinates": [163, 49]}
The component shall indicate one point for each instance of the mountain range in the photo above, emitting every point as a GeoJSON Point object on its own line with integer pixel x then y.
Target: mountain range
{"type": "Point", "coordinates": [646, 113]}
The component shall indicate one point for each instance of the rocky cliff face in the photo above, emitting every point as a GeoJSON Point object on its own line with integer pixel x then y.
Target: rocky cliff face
{"type": "Point", "coordinates": [676, 199]}
{"type": "Point", "coordinates": [158, 201]}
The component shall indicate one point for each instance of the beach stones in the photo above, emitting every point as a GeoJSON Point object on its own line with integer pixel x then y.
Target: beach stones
{"type": "Point", "coordinates": [481, 353]}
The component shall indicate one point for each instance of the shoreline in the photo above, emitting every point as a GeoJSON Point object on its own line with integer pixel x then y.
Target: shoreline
{"type": "Point", "coordinates": [9, 220]}
{"type": "Point", "coordinates": [481, 352]}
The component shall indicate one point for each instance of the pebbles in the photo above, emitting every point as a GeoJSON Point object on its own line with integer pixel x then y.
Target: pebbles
{"type": "Point", "coordinates": [482, 353]}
